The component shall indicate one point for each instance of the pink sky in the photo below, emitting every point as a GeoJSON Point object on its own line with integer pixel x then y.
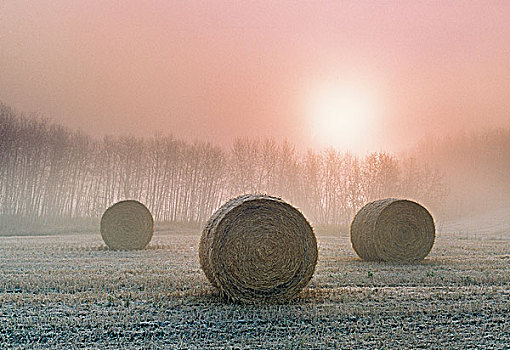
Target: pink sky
{"type": "Point", "coordinates": [217, 70]}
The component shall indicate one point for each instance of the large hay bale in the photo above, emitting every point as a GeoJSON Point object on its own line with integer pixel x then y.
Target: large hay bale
{"type": "Point", "coordinates": [394, 230]}
{"type": "Point", "coordinates": [258, 248]}
{"type": "Point", "coordinates": [127, 225]}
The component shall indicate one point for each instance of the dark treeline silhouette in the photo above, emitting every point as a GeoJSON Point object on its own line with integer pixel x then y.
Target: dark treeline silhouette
{"type": "Point", "coordinates": [47, 170]}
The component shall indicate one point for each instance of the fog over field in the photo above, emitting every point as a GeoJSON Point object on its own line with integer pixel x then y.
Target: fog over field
{"type": "Point", "coordinates": [184, 105]}
{"type": "Point", "coordinates": [328, 105]}
{"type": "Point", "coordinates": [51, 173]}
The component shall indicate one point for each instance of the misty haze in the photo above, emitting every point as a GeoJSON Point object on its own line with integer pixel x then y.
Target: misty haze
{"type": "Point", "coordinates": [185, 107]}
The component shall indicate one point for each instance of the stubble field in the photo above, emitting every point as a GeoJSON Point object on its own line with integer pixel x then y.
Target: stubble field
{"type": "Point", "coordinates": [68, 291]}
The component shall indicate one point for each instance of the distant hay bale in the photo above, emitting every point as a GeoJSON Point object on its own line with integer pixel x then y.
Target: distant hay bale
{"type": "Point", "coordinates": [393, 230]}
{"type": "Point", "coordinates": [258, 248]}
{"type": "Point", "coordinates": [127, 225]}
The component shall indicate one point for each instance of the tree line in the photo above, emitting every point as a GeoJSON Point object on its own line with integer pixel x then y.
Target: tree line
{"type": "Point", "coordinates": [47, 170]}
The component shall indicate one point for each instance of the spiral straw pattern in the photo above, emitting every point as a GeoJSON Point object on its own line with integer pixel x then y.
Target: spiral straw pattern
{"type": "Point", "coordinates": [258, 248]}
{"type": "Point", "coordinates": [127, 225]}
{"type": "Point", "coordinates": [393, 230]}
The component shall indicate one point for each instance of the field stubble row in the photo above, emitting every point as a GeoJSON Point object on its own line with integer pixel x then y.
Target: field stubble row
{"type": "Point", "coordinates": [60, 289]}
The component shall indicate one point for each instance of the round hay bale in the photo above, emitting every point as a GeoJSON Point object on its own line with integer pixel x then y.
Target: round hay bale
{"type": "Point", "coordinates": [395, 230]}
{"type": "Point", "coordinates": [258, 248]}
{"type": "Point", "coordinates": [127, 225]}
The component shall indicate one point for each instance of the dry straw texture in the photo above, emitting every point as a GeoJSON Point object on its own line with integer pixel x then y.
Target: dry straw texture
{"type": "Point", "coordinates": [394, 230]}
{"type": "Point", "coordinates": [127, 225]}
{"type": "Point", "coordinates": [258, 248]}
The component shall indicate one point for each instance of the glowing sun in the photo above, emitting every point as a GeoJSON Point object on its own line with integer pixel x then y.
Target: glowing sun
{"type": "Point", "coordinates": [343, 117]}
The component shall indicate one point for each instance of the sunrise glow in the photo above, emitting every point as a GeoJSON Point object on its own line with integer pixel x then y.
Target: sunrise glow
{"type": "Point", "coordinates": [342, 116]}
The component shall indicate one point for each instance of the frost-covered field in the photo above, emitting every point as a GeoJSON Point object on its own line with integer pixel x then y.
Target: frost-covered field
{"type": "Point", "coordinates": [69, 292]}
